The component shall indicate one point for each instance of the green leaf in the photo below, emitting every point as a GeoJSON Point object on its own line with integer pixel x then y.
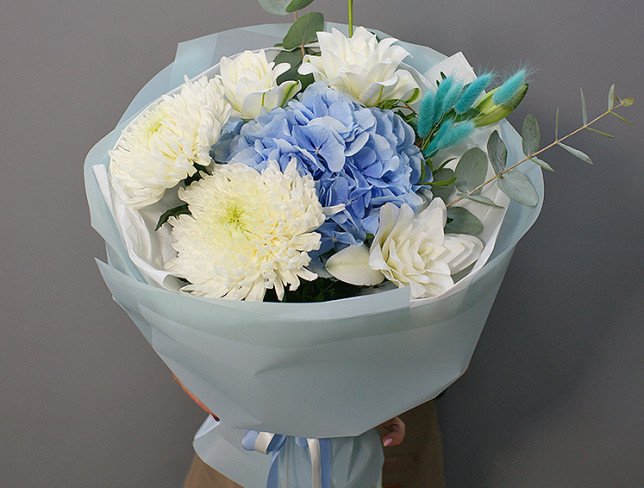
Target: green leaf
{"type": "Point", "coordinates": [627, 102]}
{"type": "Point", "coordinates": [517, 186]}
{"type": "Point", "coordinates": [277, 7]}
{"type": "Point", "coordinates": [600, 132]}
{"type": "Point", "coordinates": [497, 152]}
{"type": "Point", "coordinates": [462, 221]}
{"type": "Point", "coordinates": [415, 95]}
{"type": "Point", "coordinates": [531, 136]}
{"type": "Point", "coordinates": [294, 58]}
{"type": "Point", "coordinates": [584, 110]}
{"type": "Point", "coordinates": [296, 5]}
{"type": "Point", "coordinates": [447, 182]}
{"type": "Point", "coordinates": [471, 170]}
{"type": "Point", "coordinates": [576, 152]}
{"type": "Point", "coordinates": [542, 163]}
{"type": "Point", "coordinates": [389, 104]}
{"type": "Point", "coordinates": [470, 114]}
{"type": "Point", "coordinates": [557, 124]}
{"type": "Point", "coordinates": [443, 192]}
{"type": "Point", "coordinates": [173, 212]}
{"type": "Point", "coordinates": [622, 118]}
{"type": "Point", "coordinates": [304, 30]}
{"type": "Point", "coordinates": [482, 200]}
{"type": "Point", "coordinates": [318, 290]}
{"type": "Point", "coordinates": [306, 80]}
{"type": "Point", "coordinates": [611, 97]}
{"type": "Point", "coordinates": [445, 163]}
{"type": "Point", "coordinates": [196, 176]}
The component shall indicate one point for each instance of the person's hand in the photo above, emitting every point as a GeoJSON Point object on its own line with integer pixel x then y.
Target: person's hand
{"type": "Point", "coordinates": [194, 398]}
{"type": "Point", "coordinates": [392, 432]}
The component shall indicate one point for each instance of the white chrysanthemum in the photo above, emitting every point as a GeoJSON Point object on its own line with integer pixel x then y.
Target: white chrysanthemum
{"type": "Point", "coordinates": [247, 232]}
{"type": "Point", "coordinates": [362, 67]}
{"type": "Point", "coordinates": [161, 147]}
{"type": "Point", "coordinates": [409, 250]}
{"type": "Point", "coordinates": [250, 84]}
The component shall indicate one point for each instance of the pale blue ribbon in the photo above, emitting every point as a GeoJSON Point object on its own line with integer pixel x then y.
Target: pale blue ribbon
{"type": "Point", "coordinates": [319, 454]}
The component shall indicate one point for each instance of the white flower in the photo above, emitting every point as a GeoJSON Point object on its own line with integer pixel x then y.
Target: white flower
{"type": "Point", "coordinates": [362, 67]}
{"type": "Point", "coordinates": [409, 250]}
{"type": "Point", "coordinates": [414, 250]}
{"type": "Point", "coordinates": [248, 232]}
{"type": "Point", "coordinates": [351, 265]}
{"type": "Point", "coordinates": [250, 84]}
{"type": "Point", "coordinates": [160, 148]}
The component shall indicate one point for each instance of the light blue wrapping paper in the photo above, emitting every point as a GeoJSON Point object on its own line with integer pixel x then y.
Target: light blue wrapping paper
{"type": "Point", "coordinates": [357, 461]}
{"type": "Point", "coordinates": [332, 369]}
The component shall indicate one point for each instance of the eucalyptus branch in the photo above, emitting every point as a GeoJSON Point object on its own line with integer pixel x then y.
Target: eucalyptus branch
{"type": "Point", "coordinates": [585, 126]}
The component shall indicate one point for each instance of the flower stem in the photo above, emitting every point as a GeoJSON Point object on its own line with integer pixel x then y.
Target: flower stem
{"type": "Point", "coordinates": [350, 18]}
{"type": "Point", "coordinates": [537, 153]}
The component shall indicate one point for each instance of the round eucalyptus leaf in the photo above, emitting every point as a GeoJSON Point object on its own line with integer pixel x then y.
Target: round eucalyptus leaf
{"type": "Point", "coordinates": [304, 30]}
{"type": "Point", "coordinates": [518, 187]}
{"type": "Point", "coordinates": [277, 7]}
{"type": "Point", "coordinates": [471, 170]}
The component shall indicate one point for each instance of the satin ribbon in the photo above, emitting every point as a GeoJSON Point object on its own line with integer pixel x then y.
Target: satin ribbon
{"type": "Point", "coordinates": [319, 454]}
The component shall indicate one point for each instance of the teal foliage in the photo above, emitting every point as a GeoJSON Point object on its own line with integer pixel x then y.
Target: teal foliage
{"type": "Point", "coordinates": [473, 92]}
{"type": "Point", "coordinates": [510, 87]}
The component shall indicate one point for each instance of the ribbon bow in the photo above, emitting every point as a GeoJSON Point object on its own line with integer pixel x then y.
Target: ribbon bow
{"type": "Point", "coordinates": [319, 453]}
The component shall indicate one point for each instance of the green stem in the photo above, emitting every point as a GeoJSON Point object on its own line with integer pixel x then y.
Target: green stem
{"type": "Point", "coordinates": [410, 108]}
{"type": "Point", "coordinates": [537, 153]}
{"type": "Point", "coordinates": [350, 18]}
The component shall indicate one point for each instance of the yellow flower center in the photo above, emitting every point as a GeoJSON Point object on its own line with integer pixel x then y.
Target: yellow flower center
{"type": "Point", "coordinates": [154, 127]}
{"type": "Point", "coordinates": [233, 216]}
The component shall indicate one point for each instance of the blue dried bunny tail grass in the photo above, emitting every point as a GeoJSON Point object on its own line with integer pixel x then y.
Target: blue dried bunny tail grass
{"type": "Point", "coordinates": [510, 87]}
{"type": "Point", "coordinates": [442, 92]}
{"type": "Point", "coordinates": [473, 92]}
{"type": "Point", "coordinates": [452, 96]}
{"type": "Point", "coordinates": [426, 114]}
{"type": "Point", "coordinates": [448, 135]}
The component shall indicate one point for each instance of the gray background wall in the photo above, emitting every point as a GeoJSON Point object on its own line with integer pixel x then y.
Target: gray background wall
{"type": "Point", "coordinates": [554, 395]}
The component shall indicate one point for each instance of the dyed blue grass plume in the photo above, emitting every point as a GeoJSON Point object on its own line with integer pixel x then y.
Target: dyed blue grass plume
{"type": "Point", "coordinates": [452, 96]}
{"type": "Point", "coordinates": [426, 114]}
{"type": "Point", "coordinates": [445, 95]}
{"type": "Point", "coordinates": [510, 88]}
{"type": "Point", "coordinates": [473, 92]}
{"type": "Point", "coordinates": [448, 135]}
{"type": "Point", "coordinates": [435, 105]}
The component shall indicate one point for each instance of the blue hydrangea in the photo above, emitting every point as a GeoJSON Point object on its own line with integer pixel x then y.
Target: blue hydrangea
{"type": "Point", "coordinates": [360, 157]}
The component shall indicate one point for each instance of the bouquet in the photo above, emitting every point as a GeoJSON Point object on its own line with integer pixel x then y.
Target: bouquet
{"type": "Point", "coordinates": [329, 206]}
